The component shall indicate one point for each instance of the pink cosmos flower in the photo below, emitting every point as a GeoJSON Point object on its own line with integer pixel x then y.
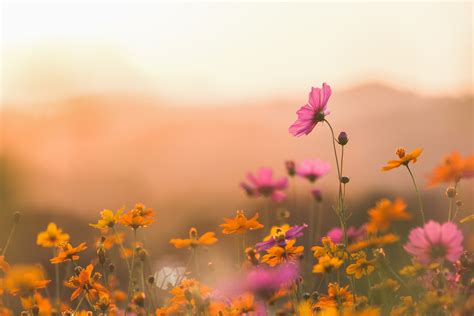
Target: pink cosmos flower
{"type": "Point", "coordinates": [313, 112]}
{"type": "Point", "coordinates": [434, 241]}
{"type": "Point", "coordinates": [263, 184]}
{"type": "Point", "coordinates": [312, 169]}
{"type": "Point", "coordinates": [353, 234]}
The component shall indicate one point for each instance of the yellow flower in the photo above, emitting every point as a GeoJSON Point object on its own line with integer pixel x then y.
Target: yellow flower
{"type": "Point", "coordinates": [240, 224]}
{"type": "Point", "coordinates": [68, 252]}
{"type": "Point", "coordinates": [328, 248]}
{"type": "Point", "coordinates": [407, 307]}
{"type": "Point", "coordinates": [24, 280]}
{"type": "Point", "coordinates": [326, 264]}
{"type": "Point", "coordinates": [139, 216]}
{"type": "Point", "coordinates": [336, 296]}
{"type": "Point", "coordinates": [385, 212]}
{"type": "Point", "coordinates": [52, 237]}
{"type": "Point", "coordinates": [194, 240]}
{"type": "Point", "coordinates": [277, 254]}
{"type": "Point", "coordinates": [404, 158]}
{"type": "Point", "coordinates": [107, 219]}
{"type": "Point", "coordinates": [361, 267]}
{"type": "Point", "coordinates": [277, 229]}
{"type": "Point", "coordinates": [373, 241]}
{"type": "Point", "coordinates": [190, 286]}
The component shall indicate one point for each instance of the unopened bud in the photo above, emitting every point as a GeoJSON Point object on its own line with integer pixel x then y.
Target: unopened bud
{"type": "Point", "coordinates": [317, 195]}
{"type": "Point", "coordinates": [111, 268]}
{"type": "Point", "coordinates": [450, 192]}
{"type": "Point", "coordinates": [345, 180]}
{"type": "Point", "coordinates": [458, 203]}
{"type": "Point", "coordinates": [342, 139]}
{"type": "Point", "coordinates": [77, 270]}
{"type": "Point", "coordinates": [151, 279]}
{"type": "Point", "coordinates": [290, 167]}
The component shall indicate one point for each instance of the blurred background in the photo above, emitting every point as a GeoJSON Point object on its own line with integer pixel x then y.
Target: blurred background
{"type": "Point", "coordinates": [171, 105]}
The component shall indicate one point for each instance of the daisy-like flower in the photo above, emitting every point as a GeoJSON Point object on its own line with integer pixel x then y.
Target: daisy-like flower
{"type": "Point", "coordinates": [327, 264]}
{"type": "Point", "coordinates": [108, 219]}
{"type": "Point", "coordinates": [312, 169]}
{"type": "Point", "coordinates": [240, 224]}
{"type": "Point", "coordinates": [263, 184]}
{"type": "Point", "coordinates": [280, 238]}
{"type": "Point", "coordinates": [361, 266]}
{"type": "Point", "coordinates": [195, 240]}
{"type": "Point", "coordinates": [87, 283]}
{"type": "Point", "coordinates": [139, 216]}
{"type": "Point", "coordinates": [51, 237]}
{"type": "Point", "coordinates": [68, 252]}
{"type": "Point", "coordinates": [434, 242]}
{"type": "Point", "coordinates": [404, 158]}
{"type": "Point", "coordinates": [337, 295]}
{"type": "Point", "coordinates": [452, 169]}
{"type": "Point", "coordinates": [385, 212]}
{"type": "Point", "coordinates": [353, 234]}
{"type": "Point", "coordinates": [276, 255]}
{"type": "Point", "coordinates": [313, 112]}
{"type": "Point", "coordinates": [24, 280]}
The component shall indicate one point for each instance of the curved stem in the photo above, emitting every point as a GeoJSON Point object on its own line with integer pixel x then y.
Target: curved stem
{"type": "Point", "coordinates": [418, 194]}
{"type": "Point", "coordinates": [12, 231]}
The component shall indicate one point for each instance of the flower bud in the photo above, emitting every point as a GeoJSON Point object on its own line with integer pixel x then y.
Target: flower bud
{"type": "Point", "coordinates": [151, 280]}
{"type": "Point", "coordinates": [139, 299]}
{"type": "Point", "coordinates": [345, 180]}
{"type": "Point", "coordinates": [458, 203]}
{"type": "Point", "coordinates": [16, 217]}
{"type": "Point", "coordinates": [111, 268]}
{"type": "Point", "coordinates": [317, 195]}
{"type": "Point", "coordinates": [290, 167]}
{"type": "Point", "coordinates": [342, 139]}
{"type": "Point", "coordinates": [450, 192]}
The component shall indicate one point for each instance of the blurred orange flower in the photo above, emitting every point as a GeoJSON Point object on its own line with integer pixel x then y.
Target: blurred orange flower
{"type": "Point", "coordinates": [240, 224]}
{"type": "Point", "coordinates": [41, 302]}
{"type": "Point", "coordinates": [188, 285]}
{"type": "Point", "coordinates": [276, 255]}
{"type": "Point", "coordinates": [452, 169]}
{"type": "Point", "coordinates": [336, 296]}
{"type": "Point", "coordinates": [24, 280]}
{"type": "Point", "coordinates": [68, 252]}
{"type": "Point", "coordinates": [404, 158]}
{"type": "Point", "coordinates": [385, 212]}
{"type": "Point", "coordinates": [194, 240]}
{"type": "Point", "coordinates": [86, 283]}
{"type": "Point", "coordinates": [108, 219]}
{"type": "Point", "coordinates": [52, 237]}
{"type": "Point", "coordinates": [243, 304]}
{"type": "Point", "coordinates": [4, 266]}
{"type": "Point", "coordinates": [373, 241]}
{"type": "Point", "coordinates": [326, 264]}
{"type": "Point", "coordinates": [139, 216]}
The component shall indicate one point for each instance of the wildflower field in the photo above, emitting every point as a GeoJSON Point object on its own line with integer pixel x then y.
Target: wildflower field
{"type": "Point", "coordinates": [286, 259]}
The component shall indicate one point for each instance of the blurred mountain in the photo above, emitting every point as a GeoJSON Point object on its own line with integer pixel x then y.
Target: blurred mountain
{"type": "Point", "coordinates": [104, 151]}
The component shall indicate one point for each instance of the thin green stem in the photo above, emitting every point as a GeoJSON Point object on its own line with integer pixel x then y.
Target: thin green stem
{"type": "Point", "coordinates": [417, 194]}
{"type": "Point", "coordinates": [79, 304]}
{"type": "Point", "coordinates": [130, 278]}
{"type": "Point", "coordinates": [451, 201]}
{"type": "Point", "coordinates": [10, 236]}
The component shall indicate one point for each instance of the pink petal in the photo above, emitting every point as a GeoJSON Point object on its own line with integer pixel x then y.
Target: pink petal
{"type": "Point", "coordinates": [433, 232]}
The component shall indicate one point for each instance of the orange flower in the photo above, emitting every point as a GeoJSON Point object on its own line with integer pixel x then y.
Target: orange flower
{"type": "Point", "coordinates": [139, 216]}
{"type": "Point", "coordinates": [24, 280]}
{"type": "Point", "coordinates": [188, 285]}
{"type": "Point", "coordinates": [277, 254]}
{"type": "Point", "coordinates": [373, 241]}
{"type": "Point", "coordinates": [385, 212]}
{"type": "Point", "coordinates": [452, 169]}
{"type": "Point", "coordinates": [104, 304]}
{"type": "Point", "coordinates": [243, 305]}
{"type": "Point", "coordinates": [404, 158]}
{"type": "Point", "coordinates": [37, 299]}
{"type": "Point", "coordinates": [361, 266]}
{"type": "Point", "coordinates": [336, 296]}
{"type": "Point", "coordinates": [52, 237]}
{"type": "Point", "coordinates": [240, 224]}
{"type": "Point", "coordinates": [110, 240]}
{"type": "Point", "coordinates": [194, 240]}
{"type": "Point", "coordinates": [68, 252]}
{"type": "Point", "coordinates": [108, 219]}
{"type": "Point", "coordinates": [327, 264]}
{"type": "Point", "coordinates": [86, 283]}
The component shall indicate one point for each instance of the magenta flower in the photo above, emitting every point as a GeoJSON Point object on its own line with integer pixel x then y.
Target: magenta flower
{"type": "Point", "coordinates": [312, 169]}
{"type": "Point", "coordinates": [263, 184]}
{"type": "Point", "coordinates": [353, 234]}
{"type": "Point", "coordinates": [434, 241]}
{"type": "Point", "coordinates": [310, 114]}
{"type": "Point", "coordinates": [280, 238]}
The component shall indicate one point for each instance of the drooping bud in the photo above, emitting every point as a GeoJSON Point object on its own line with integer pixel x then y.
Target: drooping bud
{"type": "Point", "coordinates": [450, 192]}
{"type": "Point", "coordinates": [342, 139]}
{"type": "Point", "coordinates": [111, 268]}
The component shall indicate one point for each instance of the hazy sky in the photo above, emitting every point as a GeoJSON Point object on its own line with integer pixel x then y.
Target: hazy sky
{"type": "Point", "coordinates": [197, 53]}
